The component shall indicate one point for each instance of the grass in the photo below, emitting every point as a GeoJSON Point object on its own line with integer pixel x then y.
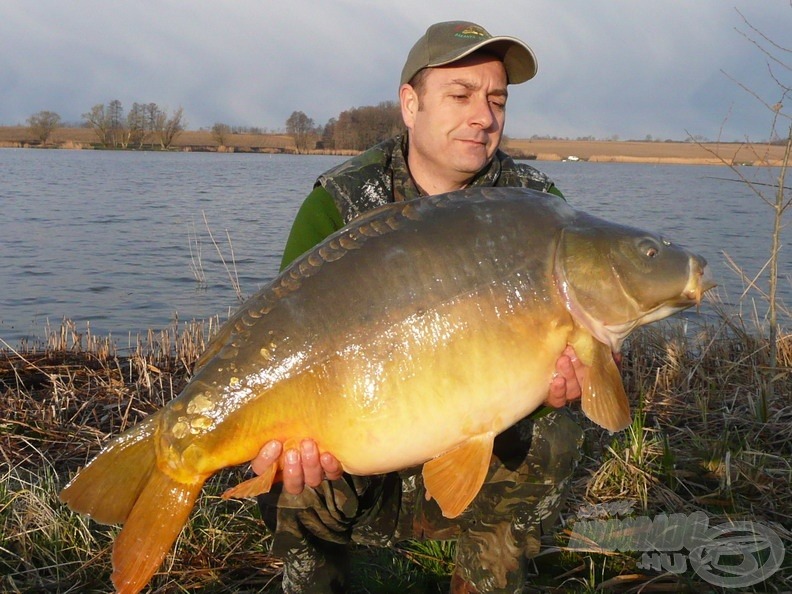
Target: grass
{"type": "Point", "coordinates": [695, 445]}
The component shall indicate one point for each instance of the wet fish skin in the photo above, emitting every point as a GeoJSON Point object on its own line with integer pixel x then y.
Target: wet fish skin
{"type": "Point", "coordinates": [415, 334]}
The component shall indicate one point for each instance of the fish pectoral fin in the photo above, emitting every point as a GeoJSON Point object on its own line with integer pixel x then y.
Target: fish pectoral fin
{"type": "Point", "coordinates": [604, 399]}
{"type": "Point", "coordinates": [259, 484]}
{"type": "Point", "coordinates": [454, 478]}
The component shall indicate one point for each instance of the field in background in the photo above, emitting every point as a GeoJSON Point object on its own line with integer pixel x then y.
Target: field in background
{"type": "Point", "coordinates": [687, 153]}
{"type": "Point", "coordinates": [543, 150]}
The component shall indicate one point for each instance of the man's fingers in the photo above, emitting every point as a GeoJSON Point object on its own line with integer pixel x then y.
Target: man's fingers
{"type": "Point", "coordinates": [267, 456]}
{"type": "Point", "coordinates": [293, 478]}
{"type": "Point", "coordinates": [313, 472]}
{"type": "Point", "coordinates": [556, 397]}
{"type": "Point", "coordinates": [300, 467]}
{"type": "Point", "coordinates": [565, 385]}
{"type": "Point", "coordinates": [331, 466]}
{"type": "Point", "coordinates": [575, 365]}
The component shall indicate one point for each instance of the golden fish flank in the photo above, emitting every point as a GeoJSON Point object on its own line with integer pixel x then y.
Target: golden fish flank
{"type": "Point", "coordinates": [461, 298]}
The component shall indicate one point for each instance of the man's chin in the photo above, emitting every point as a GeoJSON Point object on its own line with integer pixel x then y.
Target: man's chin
{"type": "Point", "coordinates": [471, 166]}
{"type": "Point", "coordinates": [471, 159]}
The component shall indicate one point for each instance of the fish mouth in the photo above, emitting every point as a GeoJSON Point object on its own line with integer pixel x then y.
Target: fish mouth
{"type": "Point", "coordinates": [699, 282]}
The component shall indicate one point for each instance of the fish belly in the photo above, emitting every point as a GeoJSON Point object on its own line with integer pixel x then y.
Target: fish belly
{"type": "Point", "coordinates": [409, 398]}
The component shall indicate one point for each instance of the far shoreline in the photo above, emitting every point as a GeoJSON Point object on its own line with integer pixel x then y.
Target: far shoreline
{"type": "Point", "coordinates": [595, 151]}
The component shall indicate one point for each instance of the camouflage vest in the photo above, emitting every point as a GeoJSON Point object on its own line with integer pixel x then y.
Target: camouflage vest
{"type": "Point", "coordinates": [380, 175]}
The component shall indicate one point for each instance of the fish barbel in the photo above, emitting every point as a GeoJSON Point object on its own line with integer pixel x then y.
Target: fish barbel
{"type": "Point", "coordinates": [412, 336]}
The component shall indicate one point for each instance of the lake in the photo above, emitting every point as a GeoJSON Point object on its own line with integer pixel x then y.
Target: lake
{"type": "Point", "coordinates": [111, 239]}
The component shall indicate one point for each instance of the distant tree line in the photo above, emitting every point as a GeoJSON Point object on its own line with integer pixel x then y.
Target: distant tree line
{"type": "Point", "coordinates": [221, 133]}
{"type": "Point", "coordinates": [354, 129]}
{"type": "Point", "coordinates": [361, 127]}
{"type": "Point", "coordinates": [145, 123]}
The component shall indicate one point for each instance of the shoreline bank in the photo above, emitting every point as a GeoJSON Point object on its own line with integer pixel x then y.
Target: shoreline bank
{"type": "Point", "coordinates": [595, 151]}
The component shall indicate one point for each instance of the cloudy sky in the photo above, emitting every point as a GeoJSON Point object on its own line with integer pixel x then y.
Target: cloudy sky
{"type": "Point", "coordinates": [625, 68]}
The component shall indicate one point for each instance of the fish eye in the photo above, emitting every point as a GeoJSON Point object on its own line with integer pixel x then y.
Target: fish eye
{"type": "Point", "coordinates": [649, 247]}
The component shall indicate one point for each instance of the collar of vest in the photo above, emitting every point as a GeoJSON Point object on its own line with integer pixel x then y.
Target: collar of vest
{"type": "Point", "coordinates": [380, 175]}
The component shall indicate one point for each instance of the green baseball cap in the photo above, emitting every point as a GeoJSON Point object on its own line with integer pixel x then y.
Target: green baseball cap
{"type": "Point", "coordinates": [445, 43]}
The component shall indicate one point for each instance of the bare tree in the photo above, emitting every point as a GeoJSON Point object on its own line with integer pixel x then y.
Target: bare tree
{"type": "Point", "coordinates": [43, 124]}
{"type": "Point", "coordinates": [118, 130]}
{"type": "Point", "coordinates": [152, 111]}
{"type": "Point", "coordinates": [301, 128]}
{"type": "Point", "coordinates": [97, 120]}
{"type": "Point", "coordinates": [220, 133]}
{"type": "Point", "coordinates": [328, 134]}
{"type": "Point", "coordinates": [168, 128]}
{"type": "Point", "coordinates": [779, 68]}
{"type": "Point", "coordinates": [137, 125]}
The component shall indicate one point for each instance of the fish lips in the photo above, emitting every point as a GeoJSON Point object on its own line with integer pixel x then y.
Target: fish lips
{"type": "Point", "coordinates": [699, 282]}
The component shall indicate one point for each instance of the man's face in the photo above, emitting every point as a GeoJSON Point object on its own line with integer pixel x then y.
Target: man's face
{"type": "Point", "coordinates": [456, 120]}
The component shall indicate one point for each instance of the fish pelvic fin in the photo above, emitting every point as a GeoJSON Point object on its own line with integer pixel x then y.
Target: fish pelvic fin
{"type": "Point", "coordinates": [157, 518]}
{"type": "Point", "coordinates": [108, 487]}
{"type": "Point", "coordinates": [256, 486]}
{"type": "Point", "coordinates": [604, 400]}
{"type": "Point", "coordinates": [455, 477]}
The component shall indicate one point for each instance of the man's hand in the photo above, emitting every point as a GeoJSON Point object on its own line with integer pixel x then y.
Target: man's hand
{"type": "Point", "coordinates": [568, 378]}
{"type": "Point", "coordinates": [300, 467]}
{"type": "Point", "coordinates": [565, 385]}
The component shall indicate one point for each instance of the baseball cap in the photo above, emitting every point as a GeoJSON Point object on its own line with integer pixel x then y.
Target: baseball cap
{"type": "Point", "coordinates": [445, 43]}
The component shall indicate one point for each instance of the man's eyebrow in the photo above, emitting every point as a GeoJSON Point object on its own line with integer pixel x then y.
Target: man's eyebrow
{"type": "Point", "coordinates": [471, 86]}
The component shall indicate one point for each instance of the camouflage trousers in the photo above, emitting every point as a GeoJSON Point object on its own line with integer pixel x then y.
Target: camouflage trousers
{"type": "Point", "coordinates": [528, 479]}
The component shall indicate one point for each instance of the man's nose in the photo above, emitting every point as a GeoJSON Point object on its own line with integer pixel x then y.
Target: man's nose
{"type": "Point", "coordinates": [482, 113]}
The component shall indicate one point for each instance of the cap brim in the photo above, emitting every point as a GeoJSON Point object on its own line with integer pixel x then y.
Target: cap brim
{"type": "Point", "coordinates": [518, 59]}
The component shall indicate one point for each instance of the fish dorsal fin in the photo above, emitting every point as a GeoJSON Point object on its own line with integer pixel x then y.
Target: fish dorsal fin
{"type": "Point", "coordinates": [454, 478]}
{"type": "Point", "coordinates": [604, 399]}
{"type": "Point", "coordinates": [259, 484]}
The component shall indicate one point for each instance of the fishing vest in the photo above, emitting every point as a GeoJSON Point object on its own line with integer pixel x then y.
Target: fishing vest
{"type": "Point", "coordinates": [380, 175]}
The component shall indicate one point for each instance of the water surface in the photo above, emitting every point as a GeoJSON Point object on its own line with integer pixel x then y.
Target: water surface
{"type": "Point", "coordinates": [112, 238]}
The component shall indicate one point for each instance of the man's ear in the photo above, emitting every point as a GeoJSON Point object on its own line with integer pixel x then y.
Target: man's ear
{"type": "Point", "coordinates": [408, 99]}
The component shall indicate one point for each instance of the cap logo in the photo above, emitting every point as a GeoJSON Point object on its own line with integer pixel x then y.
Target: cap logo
{"type": "Point", "coordinates": [471, 33]}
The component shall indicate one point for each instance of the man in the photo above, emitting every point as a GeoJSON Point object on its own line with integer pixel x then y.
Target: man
{"type": "Point", "coordinates": [453, 98]}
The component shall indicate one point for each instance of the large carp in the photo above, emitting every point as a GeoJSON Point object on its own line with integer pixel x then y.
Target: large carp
{"type": "Point", "coordinates": [413, 335]}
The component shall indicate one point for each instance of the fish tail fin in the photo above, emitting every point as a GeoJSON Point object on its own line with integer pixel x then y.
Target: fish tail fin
{"type": "Point", "coordinates": [108, 487]}
{"type": "Point", "coordinates": [156, 519]}
{"type": "Point", "coordinates": [124, 485]}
